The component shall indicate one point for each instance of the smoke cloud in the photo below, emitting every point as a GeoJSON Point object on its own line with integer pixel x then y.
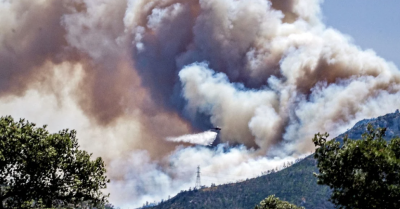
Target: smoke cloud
{"type": "Point", "coordinates": [137, 79]}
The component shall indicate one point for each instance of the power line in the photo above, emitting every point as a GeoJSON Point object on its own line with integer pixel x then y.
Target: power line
{"type": "Point", "coordinates": [198, 183]}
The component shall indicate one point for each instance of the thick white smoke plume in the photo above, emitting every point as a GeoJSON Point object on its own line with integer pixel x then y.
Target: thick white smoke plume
{"type": "Point", "coordinates": [127, 74]}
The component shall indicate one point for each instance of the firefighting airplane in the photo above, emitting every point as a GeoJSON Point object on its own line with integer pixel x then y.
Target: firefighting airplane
{"type": "Point", "coordinates": [216, 128]}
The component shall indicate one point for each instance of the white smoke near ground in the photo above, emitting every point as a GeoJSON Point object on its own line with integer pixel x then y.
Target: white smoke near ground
{"type": "Point", "coordinates": [205, 138]}
{"type": "Point", "coordinates": [146, 181]}
{"type": "Point", "coordinates": [129, 74]}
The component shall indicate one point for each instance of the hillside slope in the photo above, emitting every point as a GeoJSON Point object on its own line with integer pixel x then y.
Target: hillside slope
{"type": "Point", "coordinates": [295, 184]}
{"type": "Point", "coordinates": [291, 184]}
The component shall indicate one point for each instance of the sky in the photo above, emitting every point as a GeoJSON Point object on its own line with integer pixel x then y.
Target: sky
{"type": "Point", "coordinates": [372, 24]}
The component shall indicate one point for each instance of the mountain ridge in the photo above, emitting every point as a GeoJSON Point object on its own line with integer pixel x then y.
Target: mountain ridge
{"type": "Point", "coordinates": [295, 184]}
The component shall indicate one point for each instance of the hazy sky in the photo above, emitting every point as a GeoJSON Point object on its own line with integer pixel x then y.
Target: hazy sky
{"type": "Point", "coordinates": [372, 24]}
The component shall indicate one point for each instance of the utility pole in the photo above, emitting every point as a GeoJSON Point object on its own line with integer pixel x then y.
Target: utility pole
{"type": "Point", "coordinates": [198, 183]}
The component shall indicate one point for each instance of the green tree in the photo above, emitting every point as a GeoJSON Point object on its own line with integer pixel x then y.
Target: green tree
{"type": "Point", "coordinates": [272, 202]}
{"type": "Point", "coordinates": [39, 169]}
{"type": "Point", "coordinates": [362, 173]}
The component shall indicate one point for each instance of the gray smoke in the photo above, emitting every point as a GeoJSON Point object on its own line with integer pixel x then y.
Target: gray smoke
{"type": "Point", "coordinates": [128, 74]}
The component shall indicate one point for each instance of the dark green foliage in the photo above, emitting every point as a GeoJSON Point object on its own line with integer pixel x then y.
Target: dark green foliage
{"type": "Point", "coordinates": [272, 202]}
{"type": "Point", "coordinates": [362, 173]}
{"type": "Point", "coordinates": [38, 169]}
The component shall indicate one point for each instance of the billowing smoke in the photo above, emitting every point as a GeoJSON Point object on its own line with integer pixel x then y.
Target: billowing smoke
{"type": "Point", "coordinates": [129, 74]}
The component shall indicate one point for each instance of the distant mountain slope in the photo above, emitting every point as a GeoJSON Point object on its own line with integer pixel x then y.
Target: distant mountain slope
{"type": "Point", "coordinates": [294, 184]}
{"type": "Point", "coordinates": [390, 121]}
{"type": "Point", "coordinates": [291, 184]}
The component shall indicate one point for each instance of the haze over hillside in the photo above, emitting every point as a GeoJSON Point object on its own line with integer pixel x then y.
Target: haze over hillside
{"type": "Point", "coordinates": [135, 78]}
{"type": "Point", "coordinates": [296, 183]}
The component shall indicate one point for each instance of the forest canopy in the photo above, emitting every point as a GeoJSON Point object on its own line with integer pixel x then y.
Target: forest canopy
{"type": "Point", "coordinates": [39, 169]}
{"type": "Point", "coordinates": [362, 173]}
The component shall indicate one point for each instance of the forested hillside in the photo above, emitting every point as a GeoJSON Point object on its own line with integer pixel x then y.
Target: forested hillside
{"type": "Point", "coordinates": [295, 184]}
